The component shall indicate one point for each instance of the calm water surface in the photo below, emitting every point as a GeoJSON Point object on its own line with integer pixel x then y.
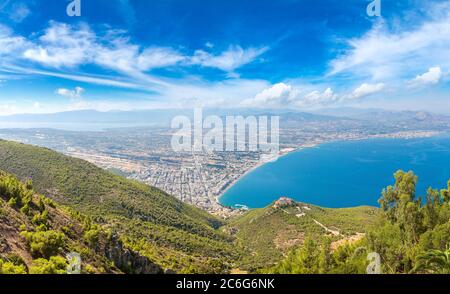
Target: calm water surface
{"type": "Point", "coordinates": [344, 174]}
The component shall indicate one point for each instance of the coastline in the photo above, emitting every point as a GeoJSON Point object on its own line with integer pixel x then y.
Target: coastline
{"type": "Point", "coordinates": [288, 150]}
{"type": "Point", "coordinates": [281, 153]}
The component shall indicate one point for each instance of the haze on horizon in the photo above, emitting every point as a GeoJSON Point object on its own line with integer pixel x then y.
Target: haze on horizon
{"type": "Point", "coordinates": [134, 55]}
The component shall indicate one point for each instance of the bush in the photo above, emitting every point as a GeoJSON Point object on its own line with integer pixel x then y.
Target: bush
{"type": "Point", "coordinates": [56, 265]}
{"type": "Point", "coordinates": [12, 202]}
{"type": "Point", "coordinates": [44, 244]}
{"type": "Point", "coordinates": [92, 237]}
{"type": "Point", "coordinates": [25, 209]}
{"type": "Point", "coordinates": [41, 203]}
{"type": "Point", "coordinates": [40, 218]}
{"type": "Point", "coordinates": [50, 202]}
{"type": "Point", "coordinates": [9, 268]}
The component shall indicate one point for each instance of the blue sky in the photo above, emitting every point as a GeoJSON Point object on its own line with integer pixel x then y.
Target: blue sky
{"type": "Point", "coordinates": [298, 54]}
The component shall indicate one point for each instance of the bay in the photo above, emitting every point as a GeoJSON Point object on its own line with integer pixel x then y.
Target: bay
{"type": "Point", "coordinates": [344, 174]}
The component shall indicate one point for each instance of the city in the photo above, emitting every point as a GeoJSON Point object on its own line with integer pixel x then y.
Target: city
{"type": "Point", "coordinates": [200, 178]}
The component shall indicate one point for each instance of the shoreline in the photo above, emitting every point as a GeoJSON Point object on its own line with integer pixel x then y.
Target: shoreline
{"type": "Point", "coordinates": [398, 135]}
{"type": "Point", "coordinates": [282, 153]}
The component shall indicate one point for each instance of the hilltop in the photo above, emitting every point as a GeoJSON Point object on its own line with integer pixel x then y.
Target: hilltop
{"type": "Point", "coordinates": [266, 235]}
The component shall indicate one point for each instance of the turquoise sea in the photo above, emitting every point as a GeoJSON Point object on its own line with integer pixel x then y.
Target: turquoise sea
{"type": "Point", "coordinates": [344, 174]}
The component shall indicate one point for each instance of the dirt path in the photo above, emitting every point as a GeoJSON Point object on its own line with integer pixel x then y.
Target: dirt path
{"type": "Point", "coordinates": [333, 232]}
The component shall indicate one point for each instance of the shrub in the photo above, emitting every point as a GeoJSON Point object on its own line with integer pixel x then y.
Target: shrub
{"type": "Point", "coordinates": [92, 237]}
{"type": "Point", "coordinates": [54, 265]}
{"type": "Point", "coordinates": [40, 218]}
{"type": "Point", "coordinates": [12, 202]}
{"type": "Point", "coordinates": [44, 244]}
{"type": "Point", "coordinates": [9, 268]}
{"type": "Point", "coordinates": [25, 209]}
{"type": "Point", "coordinates": [50, 202]}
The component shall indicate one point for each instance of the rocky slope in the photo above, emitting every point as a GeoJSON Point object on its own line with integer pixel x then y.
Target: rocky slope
{"type": "Point", "coordinates": [36, 234]}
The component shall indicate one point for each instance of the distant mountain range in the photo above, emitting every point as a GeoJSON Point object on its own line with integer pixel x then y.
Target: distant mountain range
{"type": "Point", "coordinates": [163, 117]}
{"type": "Point", "coordinates": [380, 114]}
{"type": "Point", "coordinates": [343, 119]}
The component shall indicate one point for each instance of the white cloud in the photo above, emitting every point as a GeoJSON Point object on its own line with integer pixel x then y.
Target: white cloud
{"type": "Point", "coordinates": [385, 53]}
{"type": "Point", "coordinates": [278, 95]}
{"type": "Point", "coordinates": [9, 43]}
{"type": "Point", "coordinates": [158, 57]}
{"type": "Point", "coordinates": [128, 58]}
{"type": "Point", "coordinates": [91, 79]}
{"type": "Point", "coordinates": [76, 102]}
{"type": "Point", "coordinates": [316, 97]}
{"type": "Point", "coordinates": [283, 95]}
{"type": "Point", "coordinates": [62, 51]}
{"type": "Point", "coordinates": [432, 77]}
{"type": "Point", "coordinates": [229, 60]}
{"type": "Point", "coordinates": [71, 94]}
{"type": "Point", "coordinates": [227, 93]}
{"type": "Point", "coordinates": [367, 90]}
{"type": "Point", "coordinates": [64, 45]}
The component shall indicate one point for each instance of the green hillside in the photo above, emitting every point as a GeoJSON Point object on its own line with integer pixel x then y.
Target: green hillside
{"type": "Point", "coordinates": [411, 235]}
{"type": "Point", "coordinates": [267, 235]}
{"type": "Point", "coordinates": [84, 186]}
{"type": "Point", "coordinates": [36, 234]}
{"type": "Point", "coordinates": [177, 236]}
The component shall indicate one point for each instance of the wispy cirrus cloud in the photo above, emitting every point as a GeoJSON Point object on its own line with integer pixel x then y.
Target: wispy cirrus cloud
{"type": "Point", "coordinates": [229, 60]}
{"type": "Point", "coordinates": [66, 46]}
{"type": "Point", "coordinates": [17, 11]}
{"type": "Point", "coordinates": [10, 43]}
{"type": "Point", "coordinates": [63, 50]}
{"type": "Point", "coordinates": [395, 51]}
{"type": "Point", "coordinates": [61, 46]}
{"type": "Point", "coordinates": [396, 54]}
{"type": "Point", "coordinates": [78, 77]}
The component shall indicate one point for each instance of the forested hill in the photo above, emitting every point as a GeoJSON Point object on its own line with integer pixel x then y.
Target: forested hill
{"type": "Point", "coordinates": [100, 193]}
{"type": "Point", "coordinates": [268, 234]}
{"type": "Point", "coordinates": [167, 230]}
{"type": "Point", "coordinates": [37, 236]}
